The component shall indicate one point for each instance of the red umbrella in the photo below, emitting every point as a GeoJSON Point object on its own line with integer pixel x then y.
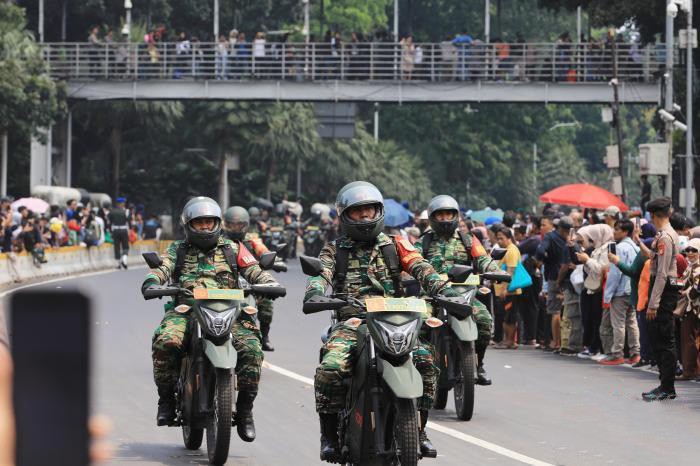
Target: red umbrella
{"type": "Point", "coordinates": [583, 195]}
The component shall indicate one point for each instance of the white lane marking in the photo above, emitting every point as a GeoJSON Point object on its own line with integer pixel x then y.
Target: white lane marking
{"type": "Point", "coordinates": [435, 426]}
{"type": "Point", "coordinates": [60, 279]}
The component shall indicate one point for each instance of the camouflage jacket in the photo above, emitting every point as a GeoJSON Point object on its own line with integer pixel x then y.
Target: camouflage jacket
{"type": "Point", "coordinates": [209, 270]}
{"type": "Point", "coordinates": [367, 273]}
{"type": "Point", "coordinates": [445, 253]}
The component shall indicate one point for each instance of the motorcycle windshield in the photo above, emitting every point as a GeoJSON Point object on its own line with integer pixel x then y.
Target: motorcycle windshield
{"type": "Point", "coordinates": [395, 305]}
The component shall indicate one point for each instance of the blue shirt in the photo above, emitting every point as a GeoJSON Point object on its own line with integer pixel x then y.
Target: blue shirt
{"type": "Point", "coordinates": [617, 283]}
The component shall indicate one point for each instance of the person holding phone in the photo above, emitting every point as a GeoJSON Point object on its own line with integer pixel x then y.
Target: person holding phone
{"type": "Point", "coordinates": [617, 294]}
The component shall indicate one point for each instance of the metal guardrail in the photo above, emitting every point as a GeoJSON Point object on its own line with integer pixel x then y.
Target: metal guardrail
{"type": "Point", "coordinates": [431, 62]}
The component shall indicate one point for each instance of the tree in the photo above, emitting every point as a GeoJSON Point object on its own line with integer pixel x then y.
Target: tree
{"type": "Point", "coordinates": [29, 99]}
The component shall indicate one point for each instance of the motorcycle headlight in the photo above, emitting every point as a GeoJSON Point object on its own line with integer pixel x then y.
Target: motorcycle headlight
{"type": "Point", "coordinates": [398, 338]}
{"type": "Point", "coordinates": [218, 323]}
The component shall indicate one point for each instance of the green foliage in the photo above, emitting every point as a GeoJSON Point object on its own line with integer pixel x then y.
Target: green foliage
{"type": "Point", "coordinates": [365, 16]}
{"type": "Point", "coordinates": [29, 99]}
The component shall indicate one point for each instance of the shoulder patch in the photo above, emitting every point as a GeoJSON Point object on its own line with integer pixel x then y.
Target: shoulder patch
{"type": "Point", "coordinates": [406, 244]}
{"type": "Point", "coordinates": [245, 258]}
{"type": "Point", "coordinates": [477, 249]}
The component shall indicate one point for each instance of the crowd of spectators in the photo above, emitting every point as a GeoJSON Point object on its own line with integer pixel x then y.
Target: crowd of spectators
{"type": "Point", "coordinates": [590, 292]}
{"type": "Point", "coordinates": [75, 224]}
{"type": "Point", "coordinates": [460, 57]}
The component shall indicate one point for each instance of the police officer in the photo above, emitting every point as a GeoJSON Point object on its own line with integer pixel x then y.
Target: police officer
{"type": "Point", "coordinates": [205, 259]}
{"type": "Point", "coordinates": [359, 263]}
{"type": "Point", "coordinates": [119, 226]}
{"type": "Point", "coordinates": [236, 228]}
{"type": "Point", "coordinates": [663, 297]}
{"type": "Point", "coordinates": [444, 246]}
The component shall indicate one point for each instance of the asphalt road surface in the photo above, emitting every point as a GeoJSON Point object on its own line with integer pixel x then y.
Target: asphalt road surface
{"type": "Point", "coordinates": [542, 409]}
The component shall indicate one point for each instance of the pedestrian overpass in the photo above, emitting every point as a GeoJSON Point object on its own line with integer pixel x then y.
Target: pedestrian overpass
{"type": "Point", "coordinates": [358, 72]}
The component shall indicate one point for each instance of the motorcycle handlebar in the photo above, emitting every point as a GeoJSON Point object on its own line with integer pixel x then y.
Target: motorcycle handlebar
{"type": "Point", "coordinates": [497, 277]}
{"type": "Point", "coordinates": [269, 291]}
{"type": "Point", "coordinates": [160, 291]}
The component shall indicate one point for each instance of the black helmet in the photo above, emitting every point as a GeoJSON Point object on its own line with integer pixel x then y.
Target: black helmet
{"type": "Point", "coordinates": [254, 213]}
{"type": "Point", "coordinates": [355, 194]}
{"type": "Point", "coordinates": [201, 207]}
{"type": "Point", "coordinates": [236, 215]}
{"type": "Point", "coordinates": [443, 202]}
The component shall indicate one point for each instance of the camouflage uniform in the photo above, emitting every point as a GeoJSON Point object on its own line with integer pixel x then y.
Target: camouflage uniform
{"type": "Point", "coordinates": [208, 270]}
{"type": "Point", "coordinates": [254, 243]}
{"type": "Point", "coordinates": [367, 275]}
{"type": "Point", "coordinates": [444, 253]}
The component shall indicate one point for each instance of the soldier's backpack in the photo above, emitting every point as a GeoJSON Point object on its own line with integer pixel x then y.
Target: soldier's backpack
{"type": "Point", "coordinates": [182, 252]}
{"type": "Point", "coordinates": [391, 259]}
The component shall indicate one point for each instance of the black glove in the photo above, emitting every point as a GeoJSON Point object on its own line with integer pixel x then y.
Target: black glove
{"type": "Point", "coordinates": [449, 292]}
{"type": "Point", "coordinates": [147, 284]}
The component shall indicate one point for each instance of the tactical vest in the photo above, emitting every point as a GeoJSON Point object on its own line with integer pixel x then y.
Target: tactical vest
{"type": "Point", "coordinates": [182, 253]}
{"type": "Point", "coordinates": [428, 240]}
{"type": "Point", "coordinates": [391, 259]}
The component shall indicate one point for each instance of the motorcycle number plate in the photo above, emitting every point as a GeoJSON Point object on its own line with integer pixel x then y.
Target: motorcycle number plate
{"type": "Point", "coordinates": [395, 305]}
{"type": "Point", "coordinates": [276, 229]}
{"type": "Point", "coordinates": [218, 293]}
{"type": "Point", "coordinates": [311, 228]}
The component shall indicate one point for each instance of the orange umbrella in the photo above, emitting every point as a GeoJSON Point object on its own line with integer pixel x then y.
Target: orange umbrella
{"type": "Point", "coordinates": [583, 195]}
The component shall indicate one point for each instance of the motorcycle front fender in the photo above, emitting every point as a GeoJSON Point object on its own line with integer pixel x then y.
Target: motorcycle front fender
{"type": "Point", "coordinates": [404, 380]}
{"type": "Point", "coordinates": [465, 330]}
{"type": "Point", "coordinates": [221, 357]}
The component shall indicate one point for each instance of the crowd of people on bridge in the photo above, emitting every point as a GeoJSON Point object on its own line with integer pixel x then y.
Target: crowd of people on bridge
{"type": "Point", "coordinates": [339, 55]}
{"type": "Point", "coordinates": [77, 223]}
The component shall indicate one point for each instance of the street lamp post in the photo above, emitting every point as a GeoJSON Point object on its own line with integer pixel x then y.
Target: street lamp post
{"type": "Point", "coordinates": [127, 26]}
{"type": "Point", "coordinates": [671, 12]}
{"type": "Point", "coordinates": [689, 156]}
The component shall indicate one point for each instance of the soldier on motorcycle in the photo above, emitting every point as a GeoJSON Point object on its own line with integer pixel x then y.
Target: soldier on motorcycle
{"type": "Point", "coordinates": [365, 262]}
{"type": "Point", "coordinates": [236, 228]}
{"type": "Point", "coordinates": [205, 259]}
{"type": "Point", "coordinates": [444, 246]}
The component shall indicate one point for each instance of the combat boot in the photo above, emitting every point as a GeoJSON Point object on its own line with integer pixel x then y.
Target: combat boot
{"type": "Point", "coordinates": [427, 450]}
{"type": "Point", "coordinates": [166, 405]}
{"type": "Point", "coordinates": [244, 416]}
{"type": "Point", "coordinates": [265, 331]}
{"type": "Point", "coordinates": [481, 377]}
{"type": "Point", "coordinates": [329, 437]}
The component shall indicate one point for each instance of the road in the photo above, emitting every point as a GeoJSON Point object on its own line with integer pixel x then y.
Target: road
{"type": "Point", "coordinates": [542, 409]}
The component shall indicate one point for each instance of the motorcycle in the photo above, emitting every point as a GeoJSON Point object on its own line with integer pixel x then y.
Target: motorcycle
{"type": "Point", "coordinates": [274, 240]}
{"type": "Point", "coordinates": [379, 424]}
{"type": "Point", "coordinates": [314, 239]}
{"type": "Point", "coordinates": [205, 391]}
{"type": "Point", "coordinates": [454, 342]}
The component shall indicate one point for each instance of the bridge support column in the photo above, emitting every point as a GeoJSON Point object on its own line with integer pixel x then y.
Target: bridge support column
{"type": "Point", "coordinates": [40, 171]}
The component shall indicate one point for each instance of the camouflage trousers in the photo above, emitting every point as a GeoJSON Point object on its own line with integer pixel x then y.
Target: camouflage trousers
{"type": "Point", "coordinates": [484, 323]}
{"type": "Point", "coordinates": [169, 342]}
{"type": "Point", "coordinates": [339, 355]}
{"type": "Point", "coordinates": [264, 311]}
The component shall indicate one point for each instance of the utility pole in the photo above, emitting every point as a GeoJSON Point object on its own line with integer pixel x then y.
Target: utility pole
{"type": "Point", "coordinates": [396, 20]}
{"type": "Point", "coordinates": [216, 20]}
{"type": "Point", "coordinates": [41, 21]}
{"type": "Point", "coordinates": [376, 122]}
{"type": "Point", "coordinates": [534, 175]}
{"type": "Point", "coordinates": [689, 156]}
{"type": "Point", "coordinates": [487, 21]}
{"type": "Point", "coordinates": [616, 121]}
{"type": "Point", "coordinates": [668, 76]}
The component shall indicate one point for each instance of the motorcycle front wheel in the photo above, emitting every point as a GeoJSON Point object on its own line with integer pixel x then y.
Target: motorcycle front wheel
{"type": "Point", "coordinates": [406, 432]}
{"type": "Point", "coordinates": [464, 388]}
{"type": "Point", "coordinates": [219, 425]}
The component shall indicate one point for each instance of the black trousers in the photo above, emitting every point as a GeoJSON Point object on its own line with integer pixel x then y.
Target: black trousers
{"type": "Point", "coordinates": [592, 314]}
{"type": "Point", "coordinates": [121, 242]}
{"type": "Point", "coordinates": [662, 336]}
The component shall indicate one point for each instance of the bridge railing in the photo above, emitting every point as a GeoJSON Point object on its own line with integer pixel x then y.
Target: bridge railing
{"type": "Point", "coordinates": [379, 61]}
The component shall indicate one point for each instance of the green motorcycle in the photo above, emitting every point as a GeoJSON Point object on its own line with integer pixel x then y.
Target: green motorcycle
{"type": "Point", "coordinates": [205, 390]}
{"type": "Point", "coordinates": [379, 424]}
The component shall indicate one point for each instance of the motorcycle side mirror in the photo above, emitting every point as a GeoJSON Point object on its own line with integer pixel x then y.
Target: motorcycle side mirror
{"type": "Point", "coordinates": [498, 253]}
{"type": "Point", "coordinates": [267, 260]}
{"type": "Point", "coordinates": [311, 266]}
{"type": "Point", "coordinates": [459, 273]}
{"type": "Point", "coordinates": [280, 247]}
{"type": "Point", "coordinates": [152, 259]}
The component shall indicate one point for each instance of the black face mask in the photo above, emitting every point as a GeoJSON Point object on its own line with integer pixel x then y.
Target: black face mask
{"type": "Point", "coordinates": [234, 235]}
